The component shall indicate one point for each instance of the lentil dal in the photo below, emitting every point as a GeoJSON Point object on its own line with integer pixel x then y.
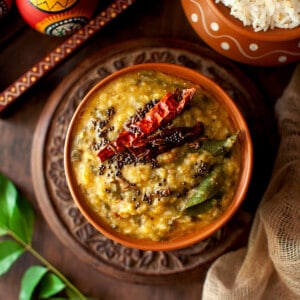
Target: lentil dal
{"type": "Point", "coordinates": [147, 199]}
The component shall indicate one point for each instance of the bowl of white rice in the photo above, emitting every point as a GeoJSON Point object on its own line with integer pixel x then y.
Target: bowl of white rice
{"type": "Point", "coordinates": [255, 32]}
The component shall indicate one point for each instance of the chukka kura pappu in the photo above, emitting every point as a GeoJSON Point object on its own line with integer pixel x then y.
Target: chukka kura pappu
{"type": "Point", "coordinates": [155, 156]}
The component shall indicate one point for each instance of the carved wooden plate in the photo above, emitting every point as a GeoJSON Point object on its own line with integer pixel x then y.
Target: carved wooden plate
{"type": "Point", "coordinates": [50, 185]}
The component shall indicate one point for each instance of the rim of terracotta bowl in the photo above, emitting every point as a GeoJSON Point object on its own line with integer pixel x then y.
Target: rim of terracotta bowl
{"type": "Point", "coordinates": [246, 159]}
{"type": "Point", "coordinates": [273, 35]}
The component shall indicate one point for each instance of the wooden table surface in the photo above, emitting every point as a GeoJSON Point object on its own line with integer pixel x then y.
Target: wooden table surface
{"type": "Point", "coordinates": [20, 48]}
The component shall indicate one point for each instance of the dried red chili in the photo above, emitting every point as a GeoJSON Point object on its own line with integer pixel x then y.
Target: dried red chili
{"type": "Point", "coordinates": [165, 140]}
{"type": "Point", "coordinates": [161, 113]}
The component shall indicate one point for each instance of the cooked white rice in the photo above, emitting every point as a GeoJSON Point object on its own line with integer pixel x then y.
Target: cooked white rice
{"type": "Point", "coordinates": [265, 14]}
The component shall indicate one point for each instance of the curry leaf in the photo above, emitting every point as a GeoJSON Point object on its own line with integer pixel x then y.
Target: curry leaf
{"type": "Point", "coordinates": [30, 280]}
{"type": "Point", "coordinates": [207, 188]}
{"type": "Point", "coordinates": [59, 298]}
{"type": "Point", "coordinates": [202, 207]}
{"type": "Point", "coordinates": [8, 199]}
{"type": "Point", "coordinates": [50, 286]}
{"type": "Point", "coordinates": [72, 295]}
{"type": "Point", "coordinates": [10, 251]}
{"type": "Point", "coordinates": [2, 231]}
{"type": "Point", "coordinates": [219, 147]}
{"type": "Point", "coordinates": [16, 215]}
{"type": "Point", "coordinates": [17, 221]}
{"type": "Point", "coordinates": [22, 220]}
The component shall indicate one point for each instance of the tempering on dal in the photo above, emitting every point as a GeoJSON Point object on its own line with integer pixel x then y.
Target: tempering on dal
{"type": "Point", "coordinates": [168, 194]}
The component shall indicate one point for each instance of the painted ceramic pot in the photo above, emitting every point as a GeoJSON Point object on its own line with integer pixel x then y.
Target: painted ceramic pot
{"type": "Point", "coordinates": [56, 18]}
{"type": "Point", "coordinates": [228, 36]}
{"type": "Point", "coordinates": [5, 6]}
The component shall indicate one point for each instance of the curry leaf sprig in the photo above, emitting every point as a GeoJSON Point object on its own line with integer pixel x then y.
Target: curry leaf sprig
{"type": "Point", "coordinates": [16, 231]}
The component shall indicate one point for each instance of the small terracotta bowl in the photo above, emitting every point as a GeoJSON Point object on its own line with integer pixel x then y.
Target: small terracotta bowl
{"type": "Point", "coordinates": [228, 36]}
{"type": "Point", "coordinates": [238, 124]}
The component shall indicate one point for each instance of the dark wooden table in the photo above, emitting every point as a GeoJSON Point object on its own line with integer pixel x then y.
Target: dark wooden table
{"type": "Point", "coordinates": [20, 48]}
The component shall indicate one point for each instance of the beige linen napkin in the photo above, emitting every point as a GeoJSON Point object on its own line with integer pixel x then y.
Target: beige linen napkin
{"type": "Point", "coordinates": [269, 267]}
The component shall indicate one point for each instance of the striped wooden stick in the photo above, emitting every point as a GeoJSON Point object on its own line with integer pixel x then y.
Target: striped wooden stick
{"type": "Point", "coordinates": [61, 52]}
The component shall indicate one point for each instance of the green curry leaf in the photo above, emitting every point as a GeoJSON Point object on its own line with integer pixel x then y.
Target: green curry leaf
{"type": "Point", "coordinates": [10, 251]}
{"type": "Point", "coordinates": [16, 215]}
{"type": "Point", "coordinates": [3, 231]}
{"type": "Point", "coordinates": [202, 207]}
{"type": "Point", "coordinates": [61, 298]}
{"type": "Point", "coordinates": [219, 147]}
{"type": "Point", "coordinates": [8, 199]}
{"type": "Point", "coordinates": [207, 188]}
{"type": "Point", "coordinates": [216, 147]}
{"type": "Point", "coordinates": [30, 280]}
{"type": "Point", "coordinates": [22, 220]}
{"type": "Point", "coordinates": [50, 286]}
{"type": "Point", "coordinates": [71, 294]}
{"type": "Point", "coordinates": [17, 222]}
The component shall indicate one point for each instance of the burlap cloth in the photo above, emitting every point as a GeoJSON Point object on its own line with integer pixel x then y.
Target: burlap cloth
{"type": "Point", "coordinates": [269, 267]}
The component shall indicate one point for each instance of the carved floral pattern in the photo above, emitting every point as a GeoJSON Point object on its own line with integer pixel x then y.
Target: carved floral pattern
{"type": "Point", "coordinates": [106, 251]}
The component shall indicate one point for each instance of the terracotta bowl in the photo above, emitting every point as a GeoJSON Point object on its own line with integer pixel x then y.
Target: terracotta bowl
{"type": "Point", "coordinates": [227, 35]}
{"type": "Point", "coordinates": [244, 140]}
